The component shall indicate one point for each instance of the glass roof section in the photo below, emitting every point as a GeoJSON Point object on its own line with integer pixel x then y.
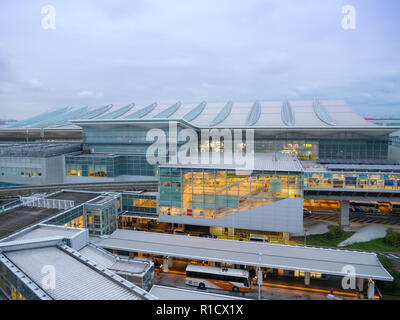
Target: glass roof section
{"type": "Point", "coordinates": [38, 118]}
{"type": "Point", "coordinates": [60, 118]}
{"type": "Point", "coordinates": [168, 112]}
{"type": "Point", "coordinates": [142, 112]}
{"type": "Point", "coordinates": [89, 115]}
{"type": "Point", "coordinates": [117, 113]}
{"type": "Point", "coordinates": [96, 112]}
{"type": "Point", "coordinates": [322, 114]}
{"type": "Point", "coordinates": [287, 114]}
{"type": "Point", "coordinates": [195, 112]}
{"type": "Point", "coordinates": [223, 114]}
{"type": "Point", "coordinates": [254, 114]}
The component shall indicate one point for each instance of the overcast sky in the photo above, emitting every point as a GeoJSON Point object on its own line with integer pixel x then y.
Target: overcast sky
{"type": "Point", "coordinates": [143, 51]}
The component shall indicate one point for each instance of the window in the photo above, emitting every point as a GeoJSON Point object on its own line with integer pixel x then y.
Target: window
{"type": "Point", "coordinates": [194, 113]}
{"type": "Point", "coordinates": [222, 115]}
{"type": "Point", "coordinates": [169, 111]}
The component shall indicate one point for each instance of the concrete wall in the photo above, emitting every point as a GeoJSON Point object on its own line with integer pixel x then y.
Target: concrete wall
{"type": "Point", "coordinates": [52, 173]}
{"type": "Point", "coordinates": [52, 169]}
{"type": "Point", "coordinates": [394, 153]}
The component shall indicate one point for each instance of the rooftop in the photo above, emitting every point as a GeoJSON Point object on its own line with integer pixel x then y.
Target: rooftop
{"type": "Point", "coordinates": [228, 114]}
{"type": "Point", "coordinates": [43, 231]}
{"type": "Point", "coordinates": [312, 259]}
{"type": "Point", "coordinates": [77, 278]}
{"type": "Point", "coordinates": [77, 196]}
{"type": "Point", "coordinates": [112, 262]}
{"type": "Point", "coordinates": [277, 161]}
{"type": "Point", "coordinates": [21, 217]}
{"type": "Point", "coordinates": [37, 150]}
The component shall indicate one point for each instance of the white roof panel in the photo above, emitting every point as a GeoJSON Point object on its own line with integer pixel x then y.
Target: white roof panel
{"type": "Point", "coordinates": [270, 114]}
{"type": "Point", "coordinates": [327, 261]}
{"type": "Point", "coordinates": [43, 231]}
{"type": "Point", "coordinates": [74, 279]}
{"type": "Point", "coordinates": [262, 161]}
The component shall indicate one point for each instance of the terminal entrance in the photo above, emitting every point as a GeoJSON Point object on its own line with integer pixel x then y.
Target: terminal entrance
{"type": "Point", "coordinates": [172, 271]}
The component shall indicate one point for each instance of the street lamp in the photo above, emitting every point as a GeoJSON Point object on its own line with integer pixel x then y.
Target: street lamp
{"type": "Point", "coordinates": [259, 276]}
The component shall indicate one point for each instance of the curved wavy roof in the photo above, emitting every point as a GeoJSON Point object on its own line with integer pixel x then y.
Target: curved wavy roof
{"type": "Point", "coordinates": [254, 114]}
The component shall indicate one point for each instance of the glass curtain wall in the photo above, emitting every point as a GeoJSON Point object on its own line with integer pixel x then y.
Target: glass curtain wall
{"type": "Point", "coordinates": [212, 193]}
{"type": "Point", "coordinates": [352, 180]}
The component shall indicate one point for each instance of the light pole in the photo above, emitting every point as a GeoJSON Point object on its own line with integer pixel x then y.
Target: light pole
{"type": "Point", "coordinates": [233, 225]}
{"type": "Point", "coordinates": [259, 276]}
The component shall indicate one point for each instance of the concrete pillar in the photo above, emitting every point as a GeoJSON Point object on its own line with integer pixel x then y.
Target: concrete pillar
{"type": "Point", "coordinates": [371, 290]}
{"type": "Point", "coordinates": [307, 279]}
{"type": "Point", "coordinates": [285, 236]}
{"type": "Point", "coordinates": [345, 215]}
{"type": "Point", "coordinates": [360, 284]}
{"type": "Point", "coordinates": [165, 265]}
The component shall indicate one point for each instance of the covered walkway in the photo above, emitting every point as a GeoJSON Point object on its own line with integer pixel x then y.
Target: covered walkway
{"type": "Point", "coordinates": [308, 259]}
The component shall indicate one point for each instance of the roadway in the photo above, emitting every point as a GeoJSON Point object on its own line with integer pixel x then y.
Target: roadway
{"type": "Point", "coordinates": [268, 291]}
{"type": "Point", "coordinates": [355, 217]}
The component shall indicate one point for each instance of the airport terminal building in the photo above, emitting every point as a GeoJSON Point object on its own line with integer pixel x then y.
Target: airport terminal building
{"type": "Point", "coordinates": [298, 146]}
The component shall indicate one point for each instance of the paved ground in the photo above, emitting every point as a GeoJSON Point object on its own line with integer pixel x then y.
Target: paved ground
{"type": "Point", "coordinates": [355, 217]}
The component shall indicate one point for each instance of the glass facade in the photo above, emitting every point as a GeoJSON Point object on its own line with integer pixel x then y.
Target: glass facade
{"type": "Point", "coordinates": [65, 218]}
{"type": "Point", "coordinates": [139, 203]}
{"type": "Point", "coordinates": [20, 167]}
{"type": "Point", "coordinates": [12, 286]}
{"type": "Point", "coordinates": [352, 180]}
{"type": "Point", "coordinates": [101, 221]}
{"type": "Point", "coordinates": [304, 150]}
{"type": "Point", "coordinates": [212, 193]}
{"type": "Point", "coordinates": [108, 166]}
{"type": "Point", "coordinates": [101, 216]}
{"type": "Point", "coordinates": [313, 148]}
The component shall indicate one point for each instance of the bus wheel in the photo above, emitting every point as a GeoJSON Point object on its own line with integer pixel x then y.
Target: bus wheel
{"type": "Point", "coordinates": [202, 286]}
{"type": "Point", "coordinates": [235, 289]}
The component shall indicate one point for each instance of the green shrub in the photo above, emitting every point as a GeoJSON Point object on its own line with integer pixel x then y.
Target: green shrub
{"type": "Point", "coordinates": [388, 287]}
{"type": "Point", "coordinates": [335, 232]}
{"type": "Point", "coordinates": [392, 238]}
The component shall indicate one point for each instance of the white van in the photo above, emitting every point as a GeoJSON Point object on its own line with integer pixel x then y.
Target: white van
{"type": "Point", "coordinates": [258, 238]}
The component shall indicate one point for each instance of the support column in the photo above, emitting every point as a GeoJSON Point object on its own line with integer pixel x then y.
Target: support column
{"type": "Point", "coordinates": [360, 284]}
{"type": "Point", "coordinates": [307, 279]}
{"type": "Point", "coordinates": [345, 214]}
{"type": "Point", "coordinates": [371, 290]}
{"type": "Point", "coordinates": [165, 264]}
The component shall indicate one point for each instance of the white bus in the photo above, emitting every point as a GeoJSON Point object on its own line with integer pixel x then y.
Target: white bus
{"type": "Point", "coordinates": [366, 207]}
{"type": "Point", "coordinates": [395, 207]}
{"type": "Point", "coordinates": [235, 280]}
